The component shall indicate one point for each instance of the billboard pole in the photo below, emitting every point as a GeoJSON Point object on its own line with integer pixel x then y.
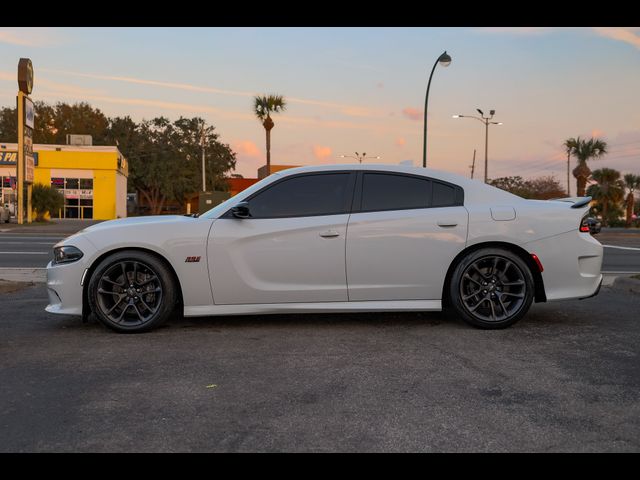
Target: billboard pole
{"type": "Point", "coordinates": [24, 164]}
{"type": "Point", "coordinates": [20, 159]}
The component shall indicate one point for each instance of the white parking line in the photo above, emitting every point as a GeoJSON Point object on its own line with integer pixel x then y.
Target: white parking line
{"type": "Point", "coordinates": [25, 243]}
{"type": "Point", "coordinates": [24, 253]}
{"type": "Point", "coordinates": [622, 248]}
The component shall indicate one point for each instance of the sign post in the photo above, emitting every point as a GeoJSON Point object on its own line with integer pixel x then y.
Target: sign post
{"type": "Point", "coordinates": [26, 117]}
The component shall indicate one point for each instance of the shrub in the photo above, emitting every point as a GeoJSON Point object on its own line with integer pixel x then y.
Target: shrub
{"type": "Point", "coordinates": [45, 199]}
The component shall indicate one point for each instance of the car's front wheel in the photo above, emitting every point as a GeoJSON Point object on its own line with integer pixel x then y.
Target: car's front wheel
{"type": "Point", "coordinates": [132, 291]}
{"type": "Point", "coordinates": [491, 288]}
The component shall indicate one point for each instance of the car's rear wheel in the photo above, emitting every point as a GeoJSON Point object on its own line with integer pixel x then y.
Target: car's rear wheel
{"type": "Point", "coordinates": [132, 291]}
{"type": "Point", "coordinates": [491, 288]}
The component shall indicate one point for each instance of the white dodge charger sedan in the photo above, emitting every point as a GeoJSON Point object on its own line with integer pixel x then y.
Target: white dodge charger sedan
{"type": "Point", "coordinates": [335, 238]}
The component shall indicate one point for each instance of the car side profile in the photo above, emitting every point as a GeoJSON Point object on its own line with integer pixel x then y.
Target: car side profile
{"type": "Point", "coordinates": [334, 238]}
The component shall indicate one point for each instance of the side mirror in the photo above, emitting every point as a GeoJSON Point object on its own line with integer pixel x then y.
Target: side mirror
{"type": "Point", "coordinates": [241, 210]}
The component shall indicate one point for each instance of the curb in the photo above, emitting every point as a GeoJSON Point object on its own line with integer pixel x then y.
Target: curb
{"type": "Point", "coordinates": [35, 275]}
{"type": "Point", "coordinates": [626, 284]}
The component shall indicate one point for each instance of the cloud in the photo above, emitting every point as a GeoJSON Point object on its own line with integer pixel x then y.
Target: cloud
{"type": "Point", "coordinates": [595, 133]}
{"type": "Point", "coordinates": [380, 85]}
{"type": "Point", "coordinates": [349, 110]}
{"type": "Point", "coordinates": [247, 148]}
{"type": "Point", "coordinates": [623, 34]}
{"type": "Point", "coordinates": [31, 37]}
{"type": "Point", "coordinates": [321, 152]}
{"type": "Point", "coordinates": [413, 113]}
{"type": "Point", "coordinates": [400, 141]}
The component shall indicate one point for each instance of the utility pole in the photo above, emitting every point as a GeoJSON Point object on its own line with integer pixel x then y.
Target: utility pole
{"type": "Point", "coordinates": [204, 184]}
{"type": "Point", "coordinates": [473, 165]}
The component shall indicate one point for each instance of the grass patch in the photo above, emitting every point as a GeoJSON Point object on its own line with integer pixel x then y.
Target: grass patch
{"type": "Point", "coordinates": [637, 277]}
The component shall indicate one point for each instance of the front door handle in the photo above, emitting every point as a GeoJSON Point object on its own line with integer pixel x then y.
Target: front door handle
{"type": "Point", "coordinates": [329, 234]}
{"type": "Point", "coordinates": [447, 223]}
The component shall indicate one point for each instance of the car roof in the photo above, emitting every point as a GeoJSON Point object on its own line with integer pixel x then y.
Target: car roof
{"type": "Point", "coordinates": [475, 189]}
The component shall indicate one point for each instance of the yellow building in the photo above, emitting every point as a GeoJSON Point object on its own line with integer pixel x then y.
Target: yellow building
{"type": "Point", "coordinates": [93, 179]}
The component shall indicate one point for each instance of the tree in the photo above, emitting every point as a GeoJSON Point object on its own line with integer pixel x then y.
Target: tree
{"type": "Point", "coordinates": [263, 107]}
{"type": "Point", "coordinates": [632, 183]}
{"type": "Point", "coordinates": [584, 150]}
{"type": "Point", "coordinates": [541, 188]}
{"type": "Point", "coordinates": [53, 123]}
{"type": "Point", "coordinates": [608, 191]}
{"type": "Point", "coordinates": [164, 161]}
{"type": "Point", "coordinates": [515, 185]}
{"type": "Point", "coordinates": [570, 144]}
{"type": "Point", "coordinates": [45, 199]}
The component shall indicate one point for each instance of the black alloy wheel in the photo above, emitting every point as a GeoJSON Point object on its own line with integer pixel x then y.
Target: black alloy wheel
{"type": "Point", "coordinates": [132, 291]}
{"type": "Point", "coordinates": [492, 288]}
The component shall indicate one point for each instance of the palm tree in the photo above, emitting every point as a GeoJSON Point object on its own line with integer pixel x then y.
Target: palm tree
{"type": "Point", "coordinates": [570, 144]}
{"type": "Point", "coordinates": [585, 150]}
{"type": "Point", "coordinates": [608, 190]}
{"type": "Point", "coordinates": [263, 107]}
{"type": "Point", "coordinates": [631, 182]}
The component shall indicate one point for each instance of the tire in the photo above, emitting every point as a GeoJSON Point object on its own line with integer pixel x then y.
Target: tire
{"type": "Point", "coordinates": [140, 304]}
{"type": "Point", "coordinates": [491, 288]}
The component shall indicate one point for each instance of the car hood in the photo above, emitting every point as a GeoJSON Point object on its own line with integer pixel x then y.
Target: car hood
{"type": "Point", "coordinates": [136, 221]}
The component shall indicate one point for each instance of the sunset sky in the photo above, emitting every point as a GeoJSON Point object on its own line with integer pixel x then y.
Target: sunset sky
{"type": "Point", "coordinates": [357, 89]}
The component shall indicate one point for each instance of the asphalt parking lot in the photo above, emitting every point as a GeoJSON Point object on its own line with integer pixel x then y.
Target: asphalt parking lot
{"type": "Point", "coordinates": [565, 378]}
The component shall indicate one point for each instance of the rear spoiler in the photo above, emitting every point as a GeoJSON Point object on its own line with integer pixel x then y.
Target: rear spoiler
{"type": "Point", "coordinates": [577, 202]}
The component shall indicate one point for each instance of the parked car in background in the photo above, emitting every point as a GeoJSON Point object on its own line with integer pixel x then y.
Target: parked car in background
{"type": "Point", "coordinates": [594, 225]}
{"type": "Point", "coordinates": [334, 238]}
{"type": "Point", "coordinates": [5, 214]}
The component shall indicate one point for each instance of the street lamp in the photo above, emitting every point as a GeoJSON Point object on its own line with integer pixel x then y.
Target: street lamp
{"type": "Point", "coordinates": [486, 122]}
{"type": "Point", "coordinates": [359, 157]}
{"type": "Point", "coordinates": [445, 61]}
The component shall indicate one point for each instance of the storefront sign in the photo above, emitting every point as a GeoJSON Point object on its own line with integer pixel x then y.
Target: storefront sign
{"type": "Point", "coordinates": [29, 113]}
{"type": "Point", "coordinates": [25, 76]}
{"type": "Point", "coordinates": [11, 158]}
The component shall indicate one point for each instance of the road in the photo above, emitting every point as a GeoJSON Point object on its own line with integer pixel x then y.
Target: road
{"type": "Point", "coordinates": [34, 250]}
{"type": "Point", "coordinates": [566, 378]}
{"type": "Point", "coordinates": [22, 250]}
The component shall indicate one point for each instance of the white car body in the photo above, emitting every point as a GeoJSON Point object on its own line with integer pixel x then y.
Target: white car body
{"type": "Point", "coordinates": [357, 261]}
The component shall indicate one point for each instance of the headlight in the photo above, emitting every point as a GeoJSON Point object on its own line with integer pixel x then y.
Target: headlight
{"type": "Point", "coordinates": [66, 254]}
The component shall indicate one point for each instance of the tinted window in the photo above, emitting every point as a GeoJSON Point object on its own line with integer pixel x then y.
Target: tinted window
{"type": "Point", "coordinates": [394, 192]}
{"type": "Point", "coordinates": [443, 195]}
{"type": "Point", "coordinates": [302, 196]}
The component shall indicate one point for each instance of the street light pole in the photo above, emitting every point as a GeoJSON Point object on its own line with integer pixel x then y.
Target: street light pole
{"type": "Point", "coordinates": [359, 157]}
{"type": "Point", "coordinates": [204, 184]}
{"type": "Point", "coordinates": [445, 61]}
{"type": "Point", "coordinates": [486, 122]}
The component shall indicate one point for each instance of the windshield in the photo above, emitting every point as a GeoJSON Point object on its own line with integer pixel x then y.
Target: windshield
{"type": "Point", "coordinates": [218, 210]}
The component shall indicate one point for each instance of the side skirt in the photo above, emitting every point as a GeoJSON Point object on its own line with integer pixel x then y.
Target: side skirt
{"type": "Point", "coordinates": [326, 307]}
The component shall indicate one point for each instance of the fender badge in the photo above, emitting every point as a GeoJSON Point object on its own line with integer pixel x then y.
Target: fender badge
{"type": "Point", "coordinates": [192, 259]}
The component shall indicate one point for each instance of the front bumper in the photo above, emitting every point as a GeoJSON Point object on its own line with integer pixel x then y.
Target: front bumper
{"type": "Point", "coordinates": [64, 289]}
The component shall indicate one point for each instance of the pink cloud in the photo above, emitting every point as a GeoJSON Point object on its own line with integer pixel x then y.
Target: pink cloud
{"type": "Point", "coordinates": [413, 113]}
{"type": "Point", "coordinates": [248, 148]}
{"type": "Point", "coordinates": [380, 84]}
{"type": "Point", "coordinates": [623, 34]}
{"type": "Point", "coordinates": [400, 141]}
{"type": "Point", "coordinates": [595, 133]}
{"type": "Point", "coordinates": [321, 152]}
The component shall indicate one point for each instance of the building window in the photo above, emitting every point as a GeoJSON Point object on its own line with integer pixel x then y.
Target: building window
{"type": "Point", "coordinates": [78, 197]}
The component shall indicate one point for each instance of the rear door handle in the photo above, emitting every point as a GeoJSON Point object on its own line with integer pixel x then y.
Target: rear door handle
{"type": "Point", "coordinates": [447, 223]}
{"type": "Point", "coordinates": [329, 234]}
